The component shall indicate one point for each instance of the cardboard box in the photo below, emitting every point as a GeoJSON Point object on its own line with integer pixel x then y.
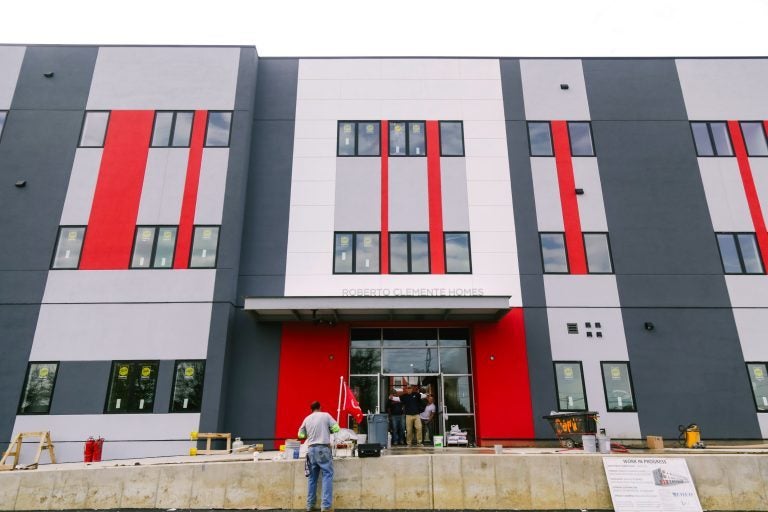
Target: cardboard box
{"type": "Point", "coordinates": [655, 442]}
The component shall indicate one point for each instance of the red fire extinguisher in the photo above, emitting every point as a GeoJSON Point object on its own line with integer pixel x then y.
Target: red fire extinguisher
{"type": "Point", "coordinates": [90, 445]}
{"type": "Point", "coordinates": [98, 445]}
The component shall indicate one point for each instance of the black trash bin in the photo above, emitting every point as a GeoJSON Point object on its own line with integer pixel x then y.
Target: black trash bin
{"type": "Point", "coordinates": [570, 426]}
{"type": "Point", "coordinates": [378, 429]}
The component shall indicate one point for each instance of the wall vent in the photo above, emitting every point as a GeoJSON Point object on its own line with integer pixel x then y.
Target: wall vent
{"type": "Point", "coordinates": [573, 328]}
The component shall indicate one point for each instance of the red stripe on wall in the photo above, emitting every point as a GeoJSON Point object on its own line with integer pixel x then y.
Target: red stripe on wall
{"type": "Point", "coordinates": [115, 207]}
{"type": "Point", "coordinates": [384, 197]}
{"type": "Point", "coordinates": [312, 358]}
{"type": "Point", "coordinates": [189, 201]}
{"type": "Point", "coordinates": [574, 242]}
{"type": "Point", "coordinates": [435, 192]}
{"type": "Point", "coordinates": [503, 408]}
{"type": "Point", "coordinates": [748, 181]}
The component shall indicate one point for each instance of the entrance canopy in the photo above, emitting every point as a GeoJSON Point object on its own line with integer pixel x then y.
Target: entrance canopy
{"type": "Point", "coordinates": [352, 309]}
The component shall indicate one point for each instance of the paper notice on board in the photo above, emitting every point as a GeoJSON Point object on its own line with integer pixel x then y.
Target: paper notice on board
{"type": "Point", "coordinates": [645, 484]}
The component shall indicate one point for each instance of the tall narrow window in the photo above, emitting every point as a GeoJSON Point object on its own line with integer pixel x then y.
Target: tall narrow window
{"type": "Point", "coordinates": [580, 135]}
{"type": "Point", "coordinates": [188, 386]}
{"type": "Point", "coordinates": [711, 139]}
{"type": "Point", "coordinates": [553, 253]}
{"type": "Point", "coordinates": [754, 138]}
{"type": "Point", "coordinates": [540, 139]}
{"type": "Point", "coordinates": [38, 388]}
{"type": "Point", "coordinates": [3, 115]}
{"type": "Point", "coordinates": [68, 246]}
{"type": "Point", "coordinates": [172, 129]}
{"type": "Point", "coordinates": [758, 378]}
{"type": "Point", "coordinates": [132, 387]}
{"type": "Point", "coordinates": [458, 259]}
{"type": "Point", "coordinates": [359, 138]}
{"type": "Point", "coordinates": [598, 252]}
{"type": "Point", "coordinates": [153, 247]}
{"type": "Point", "coordinates": [569, 381]}
{"type": "Point", "coordinates": [617, 384]}
{"type": "Point", "coordinates": [409, 253]}
{"type": "Point", "coordinates": [356, 253]}
{"type": "Point", "coordinates": [94, 129]}
{"type": "Point", "coordinates": [217, 132]}
{"type": "Point", "coordinates": [451, 138]}
{"type": "Point", "coordinates": [407, 138]}
{"type": "Point", "coordinates": [205, 243]}
{"type": "Point", "coordinates": [739, 253]}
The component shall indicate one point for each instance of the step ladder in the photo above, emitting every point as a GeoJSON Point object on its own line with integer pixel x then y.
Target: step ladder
{"type": "Point", "coordinates": [14, 450]}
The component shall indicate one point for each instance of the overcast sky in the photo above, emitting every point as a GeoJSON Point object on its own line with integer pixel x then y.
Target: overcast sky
{"type": "Point", "coordinates": [405, 28]}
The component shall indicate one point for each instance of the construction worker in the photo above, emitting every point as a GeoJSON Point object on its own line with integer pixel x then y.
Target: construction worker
{"type": "Point", "coordinates": [317, 429]}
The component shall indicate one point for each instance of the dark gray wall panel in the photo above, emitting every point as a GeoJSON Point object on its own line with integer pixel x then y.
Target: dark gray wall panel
{"type": "Point", "coordinates": [252, 372]}
{"type": "Point", "coordinates": [164, 388]}
{"type": "Point", "coordinates": [638, 89]}
{"type": "Point", "coordinates": [268, 194]}
{"type": "Point", "coordinates": [81, 387]}
{"type": "Point", "coordinates": [689, 369]}
{"type": "Point", "coordinates": [540, 371]}
{"type": "Point", "coordinates": [512, 86]}
{"type": "Point", "coordinates": [214, 387]}
{"type": "Point", "coordinates": [22, 287]}
{"type": "Point", "coordinates": [67, 89]}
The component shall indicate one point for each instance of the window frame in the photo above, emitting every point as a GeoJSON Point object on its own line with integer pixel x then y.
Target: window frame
{"type": "Point", "coordinates": [192, 245]}
{"type": "Point", "coordinates": [765, 137]}
{"type": "Point", "coordinates": [565, 248]}
{"type": "Point", "coordinates": [743, 272]}
{"type": "Point", "coordinates": [357, 131]}
{"type": "Point", "coordinates": [408, 138]}
{"type": "Point", "coordinates": [154, 247]}
{"type": "Point", "coordinates": [551, 139]}
{"type": "Point", "coordinates": [445, 252]}
{"type": "Point", "coordinates": [570, 140]}
{"type": "Point", "coordinates": [106, 128]}
{"type": "Point", "coordinates": [408, 252]}
{"type": "Point", "coordinates": [354, 235]}
{"type": "Point", "coordinates": [440, 135]}
{"type": "Point", "coordinates": [586, 255]}
{"type": "Point", "coordinates": [136, 363]}
{"type": "Point", "coordinates": [751, 389]}
{"type": "Point", "coordinates": [24, 389]}
{"type": "Point", "coordinates": [583, 386]}
{"type": "Point", "coordinates": [208, 123]}
{"type": "Point", "coordinates": [56, 246]}
{"type": "Point", "coordinates": [171, 134]}
{"type": "Point", "coordinates": [712, 139]}
{"type": "Point", "coordinates": [631, 386]}
{"type": "Point", "coordinates": [173, 386]}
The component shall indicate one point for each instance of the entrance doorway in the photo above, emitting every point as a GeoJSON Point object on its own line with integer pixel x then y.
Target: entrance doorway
{"type": "Point", "coordinates": [435, 359]}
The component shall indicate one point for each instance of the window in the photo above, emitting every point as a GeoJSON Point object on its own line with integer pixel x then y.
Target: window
{"type": "Point", "coordinates": [451, 138]}
{"type": "Point", "coordinates": [68, 246]}
{"type": "Point", "coordinates": [711, 139]}
{"type": "Point", "coordinates": [598, 252]}
{"type": "Point", "coordinates": [617, 384]}
{"type": "Point", "coordinates": [359, 138]}
{"type": "Point", "coordinates": [3, 115]}
{"type": "Point", "coordinates": [38, 388]}
{"type": "Point", "coordinates": [409, 253]}
{"type": "Point", "coordinates": [172, 129]}
{"type": "Point", "coordinates": [553, 253]}
{"type": "Point", "coordinates": [580, 135]}
{"type": "Point", "coordinates": [218, 129]}
{"type": "Point", "coordinates": [153, 247]}
{"type": "Point", "coordinates": [739, 253]}
{"type": "Point", "coordinates": [758, 373]}
{"type": "Point", "coordinates": [356, 253]}
{"type": "Point", "coordinates": [132, 386]}
{"type": "Point", "coordinates": [94, 129]}
{"type": "Point", "coordinates": [754, 138]}
{"type": "Point", "coordinates": [457, 253]}
{"type": "Point", "coordinates": [205, 243]}
{"type": "Point", "coordinates": [407, 138]}
{"type": "Point", "coordinates": [569, 382]}
{"type": "Point", "coordinates": [188, 386]}
{"type": "Point", "coordinates": [540, 139]}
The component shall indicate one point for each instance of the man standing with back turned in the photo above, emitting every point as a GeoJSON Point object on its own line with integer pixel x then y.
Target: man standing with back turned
{"type": "Point", "coordinates": [316, 429]}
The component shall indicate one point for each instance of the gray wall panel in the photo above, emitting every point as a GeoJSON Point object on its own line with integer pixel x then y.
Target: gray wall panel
{"type": "Point", "coordinates": [164, 388]}
{"type": "Point", "coordinates": [453, 181]}
{"type": "Point", "coordinates": [81, 387]}
{"type": "Point", "coordinates": [540, 371]}
{"type": "Point", "coordinates": [265, 230]}
{"type": "Point", "coordinates": [408, 195]}
{"type": "Point", "coordinates": [214, 390]}
{"type": "Point", "coordinates": [358, 194]}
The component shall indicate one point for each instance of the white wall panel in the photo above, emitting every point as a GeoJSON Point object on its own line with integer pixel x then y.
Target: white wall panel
{"type": "Point", "coordinates": [96, 332]}
{"type": "Point", "coordinates": [752, 326]}
{"type": "Point", "coordinates": [491, 218]}
{"type": "Point", "coordinates": [314, 169]}
{"type": "Point", "coordinates": [485, 130]}
{"type": "Point", "coordinates": [11, 58]}
{"type": "Point", "coordinates": [759, 168]}
{"type": "Point", "coordinates": [724, 190]}
{"type": "Point", "coordinates": [357, 194]}
{"type": "Point", "coordinates": [163, 187]}
{"type": "Point", "coordinates": [314, 147]}
{"type": "Point", "coordinates": [316, 129]}
{"type": "Point", "coordinates": [489, 193]}
{"type": "Point", "coordinates": [546, 193]}
{"type": "Point", "coordinates": [494, 263]}
{"type": "Point", "coordinates": [318, 89]}
{"type": "Point", "coordinates": [591, 207]}
{"type": "Point", "coordinates": [581, 291]}
{"type": "Point", "coordinates": [748, 291]}
{"type": "Point", "coordinates": [436, 69]}
{"type": "Point", "coordinates": [479, 69]}
{"type": "Point", "coordinates": [480, 110]}
{"type": "Point", "coordinates": [763, 420]}
{"type": "Point", "coordinates": [453, 181]}
{"type": "Point", "coordinates": [575, 347]}
{"type": "Point", "coordinates": [494, 169]}
{"type": "Point", "coordinates": [311, 241]}
{"type": "Point", "coordinates": [485, 147]}
{"type": "Point", "coordinates": [212, 186]}
{"type": "Point", "coordinates": [544, 100]}
{"type": "Point", "coordinates": [311, 263]}
{"type": "Point", "coordinates": [317, 193]}
{"type": "Point", "coordinates": [310, 218]}
{"type": "Point", "coordinates": [160, 78]}
{"type": "Point", "coordinates": [408, 196]}
{"type": "Point", "coordinates": [724, 88]}
{"type": "Point", "coordinates": [82, 184]}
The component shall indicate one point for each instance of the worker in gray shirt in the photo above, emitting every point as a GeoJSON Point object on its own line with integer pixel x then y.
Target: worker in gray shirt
{"type": "Point", "coordinates": [317, 429]}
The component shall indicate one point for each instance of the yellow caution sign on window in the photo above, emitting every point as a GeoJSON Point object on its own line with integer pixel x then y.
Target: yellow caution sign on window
{"type": "Point", "coordinates": [146, 235]}
{"type": "Point", "coordinates": [43, 373]}
{"type": "Point", "coordinates": [167, 235]}
{"type": "Point", "coordinates": [122, 372]}
{"type": "Point", "coordinates": [369, 128]}
{"type": "Point", "coordinates": [615, 372]}
{"type": "Point", "coordinates": [398, 128]}
{"type": "Point", "coordinates": [758, 373]}
{"type": "Point", "coordinates": [72, 235]}
{"type": "Point", "coordinates": [207, 234]}
{"type": "Point", "coordinates": [344, 241]}
{"type": "Point", "coordinates": [568, 372]}
{"type": "Point", "coordinates": [146, 371]}
{"type": "Point", "coordinates": [348, 128]}
{"type": "Point", "coordinates": [416, 128]}
{"type": "Point", "coordinates": [367, 241]}
{"type": "Point", "coordinates": [189, 372]}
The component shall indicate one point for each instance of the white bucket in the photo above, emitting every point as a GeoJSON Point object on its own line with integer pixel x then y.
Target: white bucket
{"type": "Point", "coordinates": [498, 449]}
{"type": "Point", "coordinates": [362, 438]}
{"type": "Point", "coordinates": [437, 441]}
{"type": "Point", "coordinates": [604, 444]}
{"type": "Point", "coordinates": [589, 443]}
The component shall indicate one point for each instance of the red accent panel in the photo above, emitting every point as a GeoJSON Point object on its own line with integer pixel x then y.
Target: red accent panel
{"type": "Point", "coordinates": [503, 407]}
{"type": "Point", "coordinates": [189, 201]}
{"type": "Point", "coordinates": [574, 242]}
{"type": "Point", "coordinates": [435, 192]}
{"type": "Point", "coordinates": [112, 222]}
{"type": "Point", "coordinates": [307, 373]}
{"type": "Point", "coordinates": [753, 200]}
{"type": "Point", "coordinates": [384, 197]}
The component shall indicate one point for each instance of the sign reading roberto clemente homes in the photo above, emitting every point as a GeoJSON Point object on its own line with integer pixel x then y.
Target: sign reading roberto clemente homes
{"type": "Point", "coordinates": [412, 292]}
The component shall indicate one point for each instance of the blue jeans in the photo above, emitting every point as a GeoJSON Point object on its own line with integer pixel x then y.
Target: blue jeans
{"type": "Point", "coordinates": [398, 427]}
{"type": "Point", "coordinates": [320, 458]}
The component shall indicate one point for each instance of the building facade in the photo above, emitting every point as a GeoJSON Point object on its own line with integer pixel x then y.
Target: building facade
{"type": "Point", "coordinates": [200, 239]}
